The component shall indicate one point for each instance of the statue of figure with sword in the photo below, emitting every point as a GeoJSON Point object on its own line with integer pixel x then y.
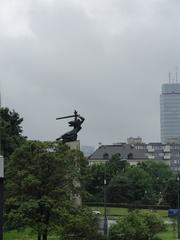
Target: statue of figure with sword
{"type": "Point", "coordinates": [76, 124]}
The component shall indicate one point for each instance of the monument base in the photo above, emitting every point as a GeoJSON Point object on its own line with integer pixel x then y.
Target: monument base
{"type": "Point", "coordinates": [75, 145]}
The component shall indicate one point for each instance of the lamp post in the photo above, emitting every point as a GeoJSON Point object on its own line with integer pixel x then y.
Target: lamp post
{"type": "Point", "coordinates": [105, 200]}
{"type": "Point", "coordinates": [105, 208]}
{"type": "Point", "coordinates": [178, 213]}
{"type": "Point", "coordinates": [1, 195]}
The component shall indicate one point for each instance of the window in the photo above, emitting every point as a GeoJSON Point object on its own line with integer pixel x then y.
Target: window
{"type": "Point", "coordinates": [130, 156]}
{"type": "Point", "coordinates": [157, 147]}
{"type": "Point", "coordinates": [106, 156]}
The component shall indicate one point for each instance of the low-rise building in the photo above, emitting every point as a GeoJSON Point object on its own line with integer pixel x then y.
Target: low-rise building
{"type": "Point", "coordinates": [138, 152]}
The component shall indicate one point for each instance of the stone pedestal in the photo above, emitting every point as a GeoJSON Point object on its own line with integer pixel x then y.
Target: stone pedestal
{"type": "Point", "coordinates": [75, 145]}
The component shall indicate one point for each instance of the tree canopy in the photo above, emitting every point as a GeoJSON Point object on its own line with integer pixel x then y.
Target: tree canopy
{"type": "Point", "coordinates": [130, 186]}
{"type": "Point", "coordinates": [137, 226]}
{"type": "Point", "coordinates": [40, 185]}
{"type": "Point", "coordinates": [95, 181]}
{"type": "Point", "coordinates": [11, 131]}
{"type": "Point", "coordinates": [81, 225]}
{"type": "Point", "coordinates": [146, 183]}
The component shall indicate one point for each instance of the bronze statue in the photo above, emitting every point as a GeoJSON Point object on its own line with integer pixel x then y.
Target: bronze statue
{"type": "Point", "coordinates": [76, 124]}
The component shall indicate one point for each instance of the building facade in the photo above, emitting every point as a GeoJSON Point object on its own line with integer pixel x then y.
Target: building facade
{"type": "Point", "coordinates": [139, 152]}
{"type": "Point", "coordinates": [170, 112]}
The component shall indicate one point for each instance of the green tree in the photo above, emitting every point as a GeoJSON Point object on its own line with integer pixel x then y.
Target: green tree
{"type": "Point", "coordinates": [40, 185]}
{"type": "Point", "coordinates": [11, 131]}
{"type": "Point", "coordinates": [94, 183]}
{"type": "Point", "coordinates": [137, 226]}
{"type": "Point", "coordinates": [171, 193]}
{"type": "Point", "coordinates": [161, 175]}
{"type": "Point", "coordinates": [115, 165]}
{"type": "Point", "coordinates": [97, 172]}
{"type": "Point", "coordinates": [133, 185]}
{"type": "Point", "coordinates": [81, 224]}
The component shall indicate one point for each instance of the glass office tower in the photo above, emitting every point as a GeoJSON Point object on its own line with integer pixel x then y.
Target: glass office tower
{"type": "Point", "coordinates": [170, 112]}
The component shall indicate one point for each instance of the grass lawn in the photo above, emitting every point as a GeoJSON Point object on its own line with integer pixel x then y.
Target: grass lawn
{"type": "Point", "coordinates": [170, 234]}
{"type": "Point", "coordinates": [27, 234]}
{"type": "Point", "coordinates": [24, 235]}
{"type": "Point", "coordinates": [123, 211]}
{"type": "Point", "coordinates": [19, 235]}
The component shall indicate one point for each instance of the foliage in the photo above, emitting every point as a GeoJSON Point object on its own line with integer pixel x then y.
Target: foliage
{"type": "Point", "coordinates": [130, 186]}
{"type": "Point", "coordinates": [163, 180]}
{"type": "Point", "coordinates": [137, 226]}
{"type": "Point", "coordinates": [40, 184]}
{"type": "Point", "coordinates": [81, 224]}
{"type": "Point", "coordinates": [160, 173]}
{"type": "Point", "coordinates": [115, 165]}
{"type": "Point", "coordinates": [146, 183]}
{"type": "Point", "coordinates": [95, 182]}
{"type": "Point", "coordinates": [171, 194]}
{"type": "Point", "coordinates": [11, 131]}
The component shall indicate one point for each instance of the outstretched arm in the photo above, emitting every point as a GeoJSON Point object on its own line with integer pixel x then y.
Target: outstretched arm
{"type": "Point", "coordinates": [82, 119]}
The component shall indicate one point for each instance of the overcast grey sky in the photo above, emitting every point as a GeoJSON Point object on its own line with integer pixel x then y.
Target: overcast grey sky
{"type": "Point", "coordinates": [105, 58]}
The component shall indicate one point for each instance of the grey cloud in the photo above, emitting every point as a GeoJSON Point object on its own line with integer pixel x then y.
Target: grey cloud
{"type": "Point", "coordinates": [74, 61]}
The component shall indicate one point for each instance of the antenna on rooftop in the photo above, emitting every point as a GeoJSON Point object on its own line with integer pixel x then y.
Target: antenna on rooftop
{"type": "Point", "coordinates": [176, 74]}
{"type": "Point", "coordinates": [173, 78]}
{"type": "Point", "coordinates": [169, 77]}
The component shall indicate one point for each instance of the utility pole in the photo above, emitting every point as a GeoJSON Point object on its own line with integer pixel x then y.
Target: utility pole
{"type": "Point", "coordinates": [105, 208]}
{"type": "Point", "coordinates": [178, 213]}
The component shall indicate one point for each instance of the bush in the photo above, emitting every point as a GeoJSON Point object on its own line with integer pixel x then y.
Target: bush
{"type": "Point", "coordinates": [137, 226]}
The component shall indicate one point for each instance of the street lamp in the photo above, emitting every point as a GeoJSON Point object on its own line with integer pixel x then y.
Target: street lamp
{"type": "Point", "coordinates": [105, 208]}
{"type": "Point", "coordinates": [105, 200]}
{"type": "Point", "coordinates": [178, 198]}
{"type": "Point", "coordinates": [1, 195]}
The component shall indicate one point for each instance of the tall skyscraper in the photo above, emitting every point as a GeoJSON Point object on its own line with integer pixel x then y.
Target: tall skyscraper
{"type": "Point", "coordinates": [170, 112]}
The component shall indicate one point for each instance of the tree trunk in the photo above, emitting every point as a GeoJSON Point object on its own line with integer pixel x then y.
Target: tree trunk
{"type": "Point", "coordinates": [44, 236]}
{"type": "Point", "coordinates": [45, 232]}
{"type": "Point", "coordinates": [39, 236]}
